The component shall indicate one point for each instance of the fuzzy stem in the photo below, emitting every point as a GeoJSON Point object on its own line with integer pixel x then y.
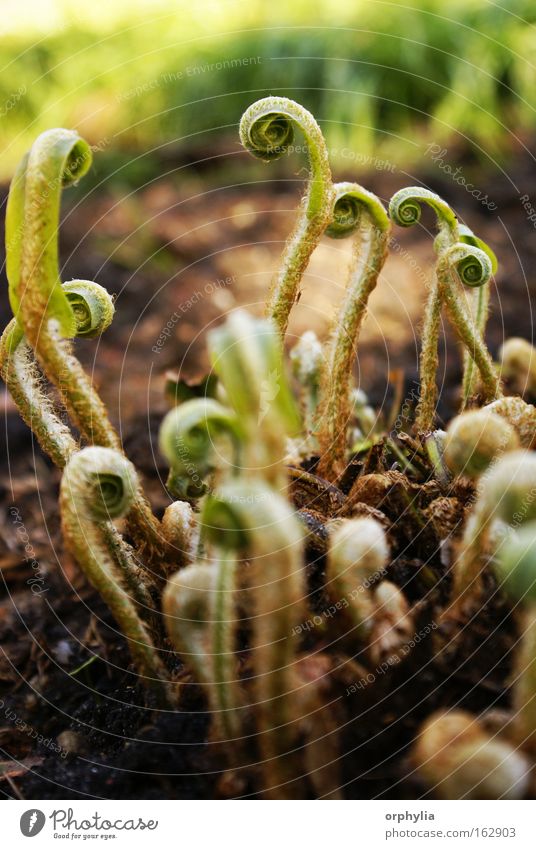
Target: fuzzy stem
{"type": "Point", "coordinates": [225, 672]}
{"type": "Point", "coordinates": [480, 315]}
{"type": "Point", "coordinates": [429, 361]}
{"type": "Point", "coordinates": [467, 570]}
{"type": "Point", "coordinates": [306, 358]}
{"type": "Point", "coordinates": [366, 216]}
{"type": "Point", "coordinates": [99, 485]}
{"type": "Point", "coordinates": [525, 683]}
{"type": "Point", "coordinates": [20, 373]}
{"type": "Point", "coordinates": [266, 131]}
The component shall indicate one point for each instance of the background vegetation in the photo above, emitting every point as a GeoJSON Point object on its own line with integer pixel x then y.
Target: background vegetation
{"type": "Point", "coordinates": [385, 79]}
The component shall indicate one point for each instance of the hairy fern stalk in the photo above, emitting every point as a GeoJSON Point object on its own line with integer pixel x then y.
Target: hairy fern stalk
{"type": "Point", "coordinates": [273, 573]}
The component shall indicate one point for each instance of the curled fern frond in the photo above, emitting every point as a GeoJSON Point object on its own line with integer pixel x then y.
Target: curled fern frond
{"type": "Point", "coordinates": [480, 308]}
{"type": "Point", "coordinates": [191, 439]}
{"type": "Point", "coordinates": [359, 212]}
{"type": "Point", "coordinates": [267, 131]}
{"type": "Point", "coordinates": [405, 209]}
{"type": "Point", "coordinates": [252, 518]}
{"type": "Point", "coordinates": [92, 306]}
{"type": "Point", "coordinates": [472, 267]}
{"type": "Point", "coordinates": [57, 159]}
{"type": "Point", "coordinates": [199, 607]}
{"type": "Point", "coordinates": [98, 486]}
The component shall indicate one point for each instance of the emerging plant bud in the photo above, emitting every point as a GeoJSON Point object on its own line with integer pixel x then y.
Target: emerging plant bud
{"type": "Point", "coordinates": [509, 490]}
{"type": "Point", "coordinates": [518, 361]}
{"type": "Point", "coordinates": [474, 439]}
{"type": "Point", "coordinates": [181, 529]}
{"type": "Point", "coordinates": [393, 625]}
{"type": "Point", "coordinates": [459, 760]}
{"type": "Point", "coordinates": [359, 547]}
{"type": "Point", "coordinates": [522, 417]}
{"type": "Point", "coordinates": [357, 558]}
{"type": "Point", "coordinates": [516, 564]}
{"type": "Point", "coordinates": [516, 568]}
{"type": "Point", "coordinates": [359, 212]}
{"type": "Point", "coordinates": [92, 306]}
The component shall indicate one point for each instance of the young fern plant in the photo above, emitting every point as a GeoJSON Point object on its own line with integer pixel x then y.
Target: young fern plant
{"type": "Point", "coordinates": [405, 210]}
{"type": "Point", "coordinates": [515, 567]}
{"type": "Point", "coordinates": [465, 265]}
{"type": "Point", "coordinates": [98, 486]}
{"type": "Point", "coordinates": [505, 493]}
{"type": "Point", "coordinates": [357, 212]}
{"type": "Point", "coordinates": [479, 310]}
{"type": "Point", "coordinates": [357, 559]}
{"type": "Point", "coordinates": [307, 366]}
{"type": "Point", "coordinates": [199, 609]}
{"type": "Point", "coordinates": [94, 312]}
{"type": "Point", "coordinates": [199, 438]}
{"type": "Point", "coordinates": [266, 131]}
{"type": "Point", "coordinates": [43, 310]}
{"type": "Point", "coordinates": [252, 519]}
{"type": "Point", "coordinates": [460, 760]}
{"type": "Point", "coordinates": [241, 514]}
{"type": "Point", "coordinates": [247, 356]}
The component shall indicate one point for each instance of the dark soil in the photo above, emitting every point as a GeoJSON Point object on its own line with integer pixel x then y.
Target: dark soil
{"type": "Point", "coordinates": [63, 666]}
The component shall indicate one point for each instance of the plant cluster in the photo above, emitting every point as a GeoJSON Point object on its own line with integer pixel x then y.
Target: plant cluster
{"type": "Point", "coordinates": [292, 504]}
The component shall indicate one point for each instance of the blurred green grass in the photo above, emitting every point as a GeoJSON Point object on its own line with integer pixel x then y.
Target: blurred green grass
{"type": "Point", "coordinates": [383, 78]}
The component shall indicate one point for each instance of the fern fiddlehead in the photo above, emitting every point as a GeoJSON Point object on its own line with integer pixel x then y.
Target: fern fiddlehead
{"type": "Point", "coordinates": [251, 517]}
{"type": "Point", "coordinates": [405, 210]}
{"type": "Point", "coordinates": [266, 131]}
{"type": "Point", "coordinates": [480, 309]}
{"type": "Point", "coordinates": [98, 486]}
{"type": "Point", "coordinates": [355, 211]}
{"type": "Point", "coordinates": [197, 438]}
{"type": "Point", "coordinates": [21, 374]}
{"type": "Point", "coordinates": [46, 311]}
{"type": "Point", "coordinates": [463, 264]}
{"type": "Point", "coordinates": [199, 608]}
